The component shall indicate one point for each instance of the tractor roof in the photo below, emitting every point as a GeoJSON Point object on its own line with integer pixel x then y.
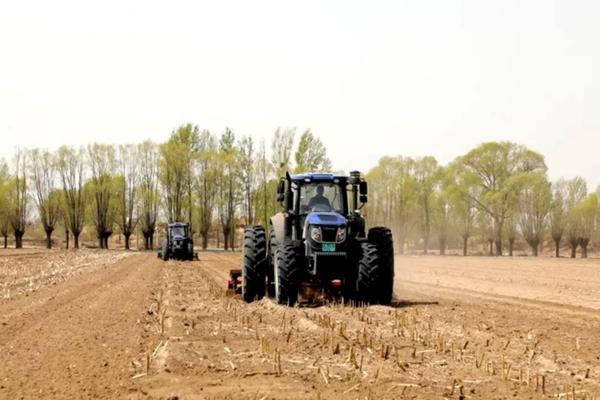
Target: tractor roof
{"type": "Point", "coordinates": [177, 224]}
{"type": "Point", "coordinates": [317, 176]}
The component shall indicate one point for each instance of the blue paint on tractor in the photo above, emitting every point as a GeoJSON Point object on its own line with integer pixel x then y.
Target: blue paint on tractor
{"type": "Point", "coordinates": [325, 219]}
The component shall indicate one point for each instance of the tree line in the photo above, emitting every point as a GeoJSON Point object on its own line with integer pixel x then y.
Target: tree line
{"type": "Point", "coordinates": [216, 182]}
{"type": "Point", "coordinates": [496, 194]}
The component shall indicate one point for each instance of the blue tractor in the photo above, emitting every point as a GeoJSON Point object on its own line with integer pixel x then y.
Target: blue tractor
{"type": "Point", "coordinates": [318, 244]}
{"type": "Point", "coordinates": [178, 244]}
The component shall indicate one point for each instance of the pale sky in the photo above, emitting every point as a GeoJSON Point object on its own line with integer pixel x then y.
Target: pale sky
{"type": "Point", "coordinates": [371, 78]}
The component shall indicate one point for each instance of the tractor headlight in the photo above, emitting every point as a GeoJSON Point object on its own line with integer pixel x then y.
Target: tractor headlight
{"type": "Point", "coordinates": [341, 235]}
{"type": "Point", "coordinates": [315, 234]}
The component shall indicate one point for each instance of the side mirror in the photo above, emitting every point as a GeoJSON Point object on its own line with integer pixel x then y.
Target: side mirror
{"type": "Point", "coordinates": [363, 189]}
{"type": "Point", "coordinates": [280, 190]}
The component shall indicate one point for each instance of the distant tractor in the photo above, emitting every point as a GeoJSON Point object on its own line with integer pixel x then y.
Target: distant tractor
{"type": "Point", "coordinates": [318, 244]}
{"type": "Point", "coordinates": [178, 244]}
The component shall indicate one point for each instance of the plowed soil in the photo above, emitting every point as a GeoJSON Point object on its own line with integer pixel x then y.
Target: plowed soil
{"type": "Point", "coordinates": [127, 325]}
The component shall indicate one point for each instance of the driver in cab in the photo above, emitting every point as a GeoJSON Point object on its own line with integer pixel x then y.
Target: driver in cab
{"type": "Point", "coordinates": [319, 200]}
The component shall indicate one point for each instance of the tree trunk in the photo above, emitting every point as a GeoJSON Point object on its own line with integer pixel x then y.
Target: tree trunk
{"type": "Point", "coordinates": [511, 246]}
{"type": "Point", "coordinates": [76, 239]}
{"type": "Point", "coordinates": [425, 244]}
{"type": "Point", "coordinates": [442, 246]}
{"type": "Point", "coordinates": [584, 242]}
{"type": "Point", "coordinates": [67, 239]}
{"type": "Point", "coordinates": [557, 248]}
{"type": "Point", "coordinates": [573, 249]}
{"type": "Point", "coordinates": [5, 241]}
{"type": "Point", "coordinates": [491, 242]}
{"type": "Point", "coordinates": [204, 240]}
{"type": "Point", "coordinates": [127, 236]}
{"type": "Point", "coordinates": [225, 240]}
{"type": "Point", "coordinates": [18, 240]}
{"type": "Point", "coordinates": [465, 245]}
{"type": "Point", "coordinates": [49, 238]}
{"type": "Point", "coordinates": [498, 247]}
{"type": "Point", "coordinates": [535, 248]}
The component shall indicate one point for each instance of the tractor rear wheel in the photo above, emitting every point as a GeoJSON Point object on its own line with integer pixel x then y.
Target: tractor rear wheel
{"type": "Point", "coordinates": [165, 250]}
{"type": "Point", "coordinates": [382, 239]}
{"type": "Point", "coordinates": [286, 275]}
{"type": "Point", "coordinates": [190, 251]}
{"type": "Point", "coordinates": [369, 283]}
{"type": "Point", "coordinates": [255, 258]}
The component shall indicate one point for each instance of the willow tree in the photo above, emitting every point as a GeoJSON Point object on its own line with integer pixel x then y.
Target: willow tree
{"type": "Point", "coordinates": [207, 184]}
{"type": "Point", "coordinates": [126, 190]}
{"type": "Point", "coordinates": [228, 187]}
{"type": "Point", "coordinates": [535, 204]}
{"type": "Point", "coordinates": [48, 201]}
{"type": "Point", "coordinates": [281, 145]}
{"type": "Point", "coordinates": [178, 160]}
{"type": "Point", "coordinates": [70, 163]}
{"type": "Point", "coordinates": [426, 173]}
{"type": "Point", "coordinates": [442, 215]}
{"type": "Point", "coordinates": [311, 154]}
{"type": "Point", "coordinates": [4, 206]}
{"type": "Point", "coordinates": [247, 167]}
{"type": "Point", "coordinates": [492, 169]}
{"type": "Point", "coordinates": [102, 163]}
{"type": "Point", "coordinates": [18, 199]}
{"type": "Point", "coordinates": [587, 214]}
{"type": "Point", "coordinates": [462, 205]}
{"type": "Point", "coordinates": [558, 214]}
{"type": "Point", "coordinates": [576, 193]}
{"type": "Point", "coordinates": [148, 157]}
{"type": "Point", "coordinates": [393, 197]}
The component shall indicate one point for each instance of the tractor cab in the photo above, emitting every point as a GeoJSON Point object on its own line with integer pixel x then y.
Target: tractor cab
{"type": "Point", "coordinates": [328, 202]}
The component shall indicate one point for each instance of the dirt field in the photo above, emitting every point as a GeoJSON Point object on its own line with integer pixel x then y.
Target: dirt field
{"type": "Point", "coordinates": [125, 325]}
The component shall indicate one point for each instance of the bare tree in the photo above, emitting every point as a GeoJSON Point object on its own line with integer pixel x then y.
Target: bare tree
{"type": "Point", "coordinates": [127, 160]}
{"type": "Point", "coordinates": [43, 175]}
{"type": "Point", "coordinates": [18, 198]}
{"type": "Point", "coordinates": [70, 163]}
{"type": "Point", "coordinates": [148, 158]}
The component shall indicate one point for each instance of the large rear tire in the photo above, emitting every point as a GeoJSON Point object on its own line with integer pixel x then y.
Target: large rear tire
{"type": "Point", "coordinates": [369, 283]}
{"type": "Point", "coordinates": [270, 265]}
{"type": "Point", "coordinates": [190, 251]}
{"type": "Point", "coordinates": [254, 268]}
{"type": "Point", "coordinates": [286, 275]}
{"type": "Point", "coordinates": [382, 238]}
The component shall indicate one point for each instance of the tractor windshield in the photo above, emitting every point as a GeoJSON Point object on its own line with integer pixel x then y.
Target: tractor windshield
{"type": "Point", "coordinates": [178, 231]}
{"type": "Point", "coordinates": [319, 196]}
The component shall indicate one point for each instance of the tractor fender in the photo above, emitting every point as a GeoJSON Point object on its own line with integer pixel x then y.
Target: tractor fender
{"type": "Point", "coordinates": [278, 226]}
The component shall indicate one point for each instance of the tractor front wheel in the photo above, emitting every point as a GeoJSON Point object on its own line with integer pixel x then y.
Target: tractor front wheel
{"type": "Point", "coordinates": [255, 258]}
{"type": "Point", "coordinates": [286, 275]}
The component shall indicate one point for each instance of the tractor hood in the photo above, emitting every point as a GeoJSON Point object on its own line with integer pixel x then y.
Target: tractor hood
{"type": "Point", "coordinates": [325, 219]}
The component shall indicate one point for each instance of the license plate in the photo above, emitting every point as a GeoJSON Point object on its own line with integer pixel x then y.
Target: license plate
{"type": "Point", "coordinates": [328, 246]}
